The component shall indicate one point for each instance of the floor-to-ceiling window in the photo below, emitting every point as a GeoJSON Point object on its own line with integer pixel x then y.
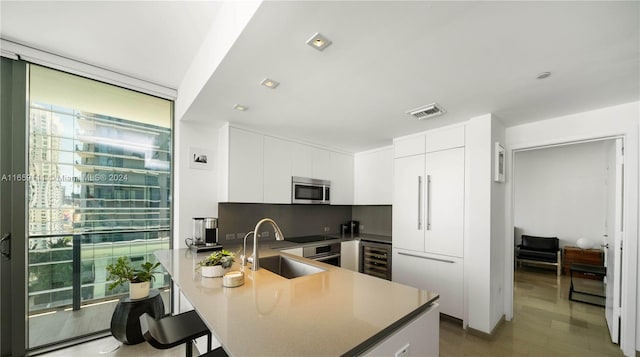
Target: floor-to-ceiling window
{"type": "Point", "coordinates": [99, 187]}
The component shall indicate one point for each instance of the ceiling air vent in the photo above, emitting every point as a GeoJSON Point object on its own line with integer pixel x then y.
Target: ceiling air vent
{"type": "Point", "coordinates": [428, 111]}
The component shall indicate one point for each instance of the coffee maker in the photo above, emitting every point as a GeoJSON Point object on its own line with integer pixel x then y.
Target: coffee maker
{"type": "Point", "coordinates": [205, 234]}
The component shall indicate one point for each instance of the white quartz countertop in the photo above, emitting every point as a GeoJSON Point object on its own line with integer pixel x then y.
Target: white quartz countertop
{"type": "Point", "coordinates": [332, 313]}
{"type": "Point", "coordinates": [364, 236]}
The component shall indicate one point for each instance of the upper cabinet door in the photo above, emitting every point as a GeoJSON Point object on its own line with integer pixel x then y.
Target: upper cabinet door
{"type": "Point", "coordinates": [408, 146]}
{"type": "Point", "coordinates": [408, 223]}
{"type": "Point", "coordinates": [341, 179]}
{"type": "Point", "coordinates": [302, 156]}
{"type": "Point", "coordinates": [444, 202]}
{"type": "Point", "coordinates": [444, 138]}
{"type": "Point", "coordinates": [321, 168]}
{"type": "Point", "coordinates": [277, 170]}
{"type": "Point", "coordinates": [374, 177]}
{"type": "Point", "coordinates": [309, 161]}
{"type": "Point", "coordinates": [245, 166]}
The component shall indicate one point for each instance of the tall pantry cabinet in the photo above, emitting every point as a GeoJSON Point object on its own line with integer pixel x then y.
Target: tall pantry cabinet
{"type": "Point", "coordinates": [428, 214]}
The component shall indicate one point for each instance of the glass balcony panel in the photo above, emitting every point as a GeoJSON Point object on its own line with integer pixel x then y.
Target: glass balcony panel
{"type": "Point", "coordinates": [103, 184]}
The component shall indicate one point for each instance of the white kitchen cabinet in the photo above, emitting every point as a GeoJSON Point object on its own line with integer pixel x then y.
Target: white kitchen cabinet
{"type": "Point", "coordinates": [444, 200]}
{"type": "Point", "coordinates": [409, 145]}
{"type": "Point", "coordinates": [302, 160]}
{"type": "Point", "coordinates": [277, 170]}
{"type": "Point", "coordinates": [256, 168]}
{"type": "Point", "coordinates": [428, 217]}
{"type": "Point", "coordinates": [241, 165]}
{"type": "Point", "coordinates": [373, 171]}
{"type": "Point", "coordinates": [444, 138]}
{"type": "Point", "coordinates": [341, 179]}
{"type": "Point", "coordinates": [428, 203]}
{"type": "Point", "coordinates": [408, 203]}
{"type": "Point", "coordinates": [420, 337]}
{"type": "Point", "coordinates": [310, 161]}
{"type": "Point", "coordinates": [321, 164]}
{"type": "Point", "coordinates": [350, 255]}
{"type": "Point", "coordinates": [437, 273]}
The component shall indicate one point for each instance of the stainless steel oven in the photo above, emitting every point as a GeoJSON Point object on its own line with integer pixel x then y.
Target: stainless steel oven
{"type": "Point", "coordinates": [327, 253]}
{"type": "Point", "coordinates": [310, 191]}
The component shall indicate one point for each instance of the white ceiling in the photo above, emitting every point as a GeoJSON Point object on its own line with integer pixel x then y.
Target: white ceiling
{"type": "Point", "coordinates": [472, 58]}
{"type": "Point", "coordinates": [149, 40]}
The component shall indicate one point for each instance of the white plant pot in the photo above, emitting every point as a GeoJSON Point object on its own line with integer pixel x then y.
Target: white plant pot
{"type": "Point", "coordinates": [139, 290]}
{"type": "Point", "coordinates": [213, 271]}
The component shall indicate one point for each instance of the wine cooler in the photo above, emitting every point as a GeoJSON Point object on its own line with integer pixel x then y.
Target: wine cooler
{"type": "Point", "coordinates": [375, 259]}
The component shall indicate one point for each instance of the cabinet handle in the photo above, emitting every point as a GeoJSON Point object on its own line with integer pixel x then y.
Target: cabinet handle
{"type": "Point", "coordinates": [428, 202]}
{"type": "Point", "coordinates": [419, 202]}
{"type": "Point", "coordinates": [428, 258]}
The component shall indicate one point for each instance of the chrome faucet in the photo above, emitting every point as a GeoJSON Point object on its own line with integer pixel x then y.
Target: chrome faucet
{"type": "Point", "coordinates": [254, 260]}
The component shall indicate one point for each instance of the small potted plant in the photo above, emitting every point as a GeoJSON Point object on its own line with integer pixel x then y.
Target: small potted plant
{"type": "Point", "coordinates": [214, 265]}
{"type": "Point", "coordinates": [139, 279]}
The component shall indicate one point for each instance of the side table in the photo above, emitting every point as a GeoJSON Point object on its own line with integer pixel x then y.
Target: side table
{"type": "Point", "coordinates": [125, 322]}
{"type": "Point", "coordinates": [583, 256]}
{"type": "Point", "coordinates": [595, 270]}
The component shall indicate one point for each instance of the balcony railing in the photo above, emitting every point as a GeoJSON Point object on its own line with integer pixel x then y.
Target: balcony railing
{"type": "Point", "coordinates": [68, 270]}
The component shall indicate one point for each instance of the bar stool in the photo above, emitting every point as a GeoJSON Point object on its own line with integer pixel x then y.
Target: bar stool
{"type": "Point", "coordinates": [172, 331]}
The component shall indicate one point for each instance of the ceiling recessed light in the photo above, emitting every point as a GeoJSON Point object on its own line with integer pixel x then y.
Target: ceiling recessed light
{"type": "Point", "coordinates": [318, 41]}
{"type": "Point", "coordinates": [543, 75]}
{"type": "Point", "coordinates": [239, 107]}
{"type": "Point", "coordinates": [269, 83]}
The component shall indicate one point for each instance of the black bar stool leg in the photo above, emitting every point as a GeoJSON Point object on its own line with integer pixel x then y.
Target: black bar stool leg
{"type": "Point", "coordinates": [209, 342]}
{"type": "Point", "coordinates": [189, 349]}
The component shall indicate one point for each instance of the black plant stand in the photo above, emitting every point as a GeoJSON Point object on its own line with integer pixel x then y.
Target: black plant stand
{"type": "Point", "coordinates": [125, 322]}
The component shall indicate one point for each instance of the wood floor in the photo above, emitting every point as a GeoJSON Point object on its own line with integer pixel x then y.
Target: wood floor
{"type": "Point", "coordinates": [545, 324]}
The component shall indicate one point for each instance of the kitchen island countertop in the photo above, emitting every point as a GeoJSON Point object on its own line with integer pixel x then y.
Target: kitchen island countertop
{"type": "Point", "coordinates": [364, 236]}
{"type": "Point", "coordinates": [335, 312]}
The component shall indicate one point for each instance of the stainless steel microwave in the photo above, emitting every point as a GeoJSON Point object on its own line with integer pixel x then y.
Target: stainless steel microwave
{"type": "Point", "coordinates": [310, 191]}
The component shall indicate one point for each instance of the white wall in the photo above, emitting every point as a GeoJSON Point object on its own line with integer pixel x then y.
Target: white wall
{"type": "Point", "coordinates": [196, 192]}
{"type": "Point", "coordinates": [485, 235]}
{"type": "Point", "coordinates": [497, 230]}
{"type": "Point", "coordinates": [562, 192]}
{"type": "Point", "coordinates": [231, 19]}
{"type": "Point", "coordinates": [605, 122]}
{"type": "Point", "coordinates": [477, 245]}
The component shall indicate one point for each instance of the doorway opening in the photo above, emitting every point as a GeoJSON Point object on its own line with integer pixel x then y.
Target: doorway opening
{"type": "Point", "coordinates": [573, 192]}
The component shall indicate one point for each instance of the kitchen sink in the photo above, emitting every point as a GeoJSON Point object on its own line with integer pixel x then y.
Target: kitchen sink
{"type": "Point", "coordinates": [287, 267]}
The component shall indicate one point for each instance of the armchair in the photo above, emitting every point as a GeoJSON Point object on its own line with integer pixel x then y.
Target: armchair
{"type": "Point", "coordinates": [540, 250]}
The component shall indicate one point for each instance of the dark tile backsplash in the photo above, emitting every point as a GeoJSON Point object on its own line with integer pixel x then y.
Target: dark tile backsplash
{"type": "Point", "coordinates": [299, 220]}
{"type": "Point", "coordinates": [293, 220]}
{"type": "Point", "coordinates": [375, 219]}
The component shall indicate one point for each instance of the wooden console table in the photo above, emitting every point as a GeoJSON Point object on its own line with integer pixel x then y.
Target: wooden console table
{"type": "Point", "coordinates": [583, 256]}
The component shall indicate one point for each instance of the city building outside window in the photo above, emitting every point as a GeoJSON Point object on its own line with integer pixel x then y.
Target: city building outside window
{"type": "Point", "coordinates": [99, 185]}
